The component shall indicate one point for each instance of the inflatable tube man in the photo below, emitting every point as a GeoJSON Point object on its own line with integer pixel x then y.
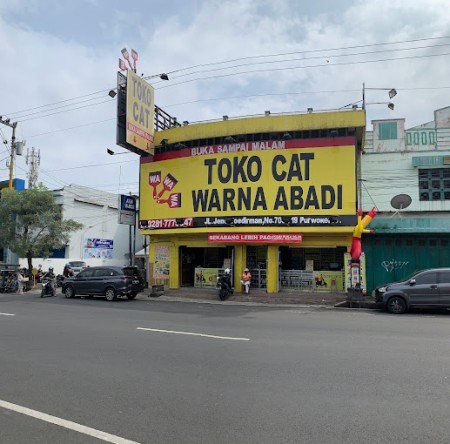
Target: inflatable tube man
{"type": "Point", "coordinates": [355, 251]}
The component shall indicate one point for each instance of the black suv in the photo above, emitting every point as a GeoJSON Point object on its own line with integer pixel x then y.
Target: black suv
{"type": "Point", "coordinates": [108, 281]}
{"type": "Point", "coordinates": [426, 288]}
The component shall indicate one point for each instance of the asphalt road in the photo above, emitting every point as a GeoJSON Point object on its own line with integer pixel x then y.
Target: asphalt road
{"type": "Point", "coordinates": [152, 371]}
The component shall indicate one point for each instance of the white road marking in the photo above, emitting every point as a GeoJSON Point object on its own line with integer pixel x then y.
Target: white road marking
{"type": "Point", "coordinates": [193, 334]}
{"type": "Point", "coordinates": [7, 314]}
{"type": "Point", "coordinates": [67, 424]}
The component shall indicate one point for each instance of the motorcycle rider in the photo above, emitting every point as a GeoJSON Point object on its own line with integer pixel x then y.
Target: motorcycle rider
{"type": "Point", "coordinates": [225, 284]}
{"type": "Point", "coordinates": [67, 272]}
{"type": "Point", "coordinates": [50, 275]}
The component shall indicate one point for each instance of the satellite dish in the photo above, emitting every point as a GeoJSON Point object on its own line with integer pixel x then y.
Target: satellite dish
{"type": "Point", "coordinates": [401, 201]}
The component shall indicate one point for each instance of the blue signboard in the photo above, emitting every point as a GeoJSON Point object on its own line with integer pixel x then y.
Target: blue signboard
{"type": "Point", "coordinates": [127, 203]}
{"type": "Point", "coordinates": [127, 210]}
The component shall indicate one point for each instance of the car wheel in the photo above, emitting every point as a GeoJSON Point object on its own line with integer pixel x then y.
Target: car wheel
{"type": "Point", "coordinates": [69, 292]}
{"type": "Point", "coordinates": [132, 295]}
{"type": "Point", "coordinates": [110, 294]}
{"type": "Point", "coordinates": [396, 305]}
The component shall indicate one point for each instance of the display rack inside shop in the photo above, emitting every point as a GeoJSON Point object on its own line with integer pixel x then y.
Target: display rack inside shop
{"type": "Point", "coordinates": [297, 279]}
{"type": "Point", "coordinates": [259, 278]}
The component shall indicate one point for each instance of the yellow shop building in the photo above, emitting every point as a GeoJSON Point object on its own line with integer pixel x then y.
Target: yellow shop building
{"type": "Point", "coordinates": [276, 193]}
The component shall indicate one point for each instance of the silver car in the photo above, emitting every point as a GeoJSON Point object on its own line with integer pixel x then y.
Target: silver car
{"type": "Point", "coordinates": [77, 266]}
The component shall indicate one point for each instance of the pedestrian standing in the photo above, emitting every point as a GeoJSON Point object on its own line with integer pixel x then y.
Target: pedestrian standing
{"type": "Point", "coordinates": [246, 279]}
{"type": "Point", "coordinates": [20, 281]}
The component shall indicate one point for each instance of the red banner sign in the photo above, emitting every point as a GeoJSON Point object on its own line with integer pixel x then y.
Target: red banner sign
{"type": "Point", "coordinates": [271, 238]}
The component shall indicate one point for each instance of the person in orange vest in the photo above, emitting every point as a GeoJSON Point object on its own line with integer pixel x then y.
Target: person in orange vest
{"type": "Point", "coordinates": [245, 281]}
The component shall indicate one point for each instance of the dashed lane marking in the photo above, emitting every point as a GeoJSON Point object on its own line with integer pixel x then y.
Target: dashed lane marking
{"type": "Point", "coordinates": [66, 424]}
{"type": "Point", "coordinates": [7, 314]}
{"type": "Point", "coordinates": [193, 334]}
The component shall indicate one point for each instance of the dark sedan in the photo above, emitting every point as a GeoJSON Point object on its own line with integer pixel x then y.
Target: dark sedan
{"type": "Point", "coordinates": [107, 281]}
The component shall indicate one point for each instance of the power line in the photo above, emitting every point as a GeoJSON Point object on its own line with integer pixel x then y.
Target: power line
{"type": "Point", "coordinates": [310, 51]}
{"type": "Point", "coordinates": [103, 91]}
{"type": "Point", "coordinates": [304, 67]}
{"type": "Point", "coordinates": [324, 56]}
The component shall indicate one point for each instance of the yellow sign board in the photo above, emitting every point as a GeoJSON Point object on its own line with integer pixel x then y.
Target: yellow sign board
{"type": "Point", "coordinates": [140, 112]}
{"type": "Point", "coordinates": [267, 184]}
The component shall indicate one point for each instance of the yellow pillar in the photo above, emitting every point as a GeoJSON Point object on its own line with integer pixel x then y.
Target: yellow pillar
{"type": "Point", "coordinates": [240, 256]}
{"type": "Point", "coordinates": [272, 269]}
{"type": "Point", "coordinates": [174, 280]}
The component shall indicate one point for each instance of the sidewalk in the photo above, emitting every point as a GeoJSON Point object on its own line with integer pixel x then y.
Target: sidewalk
{"type": "Point", "coordinates": [257, 296]}
{"type": "Point", "coordinates": [260, 296]}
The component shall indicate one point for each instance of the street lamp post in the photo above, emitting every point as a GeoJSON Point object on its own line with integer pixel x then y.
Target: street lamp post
{"type": "Point", "coordinates": [391, 91]}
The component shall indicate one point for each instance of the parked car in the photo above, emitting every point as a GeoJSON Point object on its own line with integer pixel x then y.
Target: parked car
{"type": "Point", "coordinates": [108, 281]}
{"type": "Point", "coordinates": [77, 266]}
{"type": "Point", "coordinates": [425, 288]}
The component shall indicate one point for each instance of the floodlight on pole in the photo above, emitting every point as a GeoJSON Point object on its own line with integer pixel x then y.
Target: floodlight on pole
{"type": "Point", "coordinates": [162, 76]}
{"type": "Point", "coordinates": [391, 91]}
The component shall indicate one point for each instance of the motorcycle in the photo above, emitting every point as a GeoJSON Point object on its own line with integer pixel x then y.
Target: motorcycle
{"type": "Point", "coordinates": [223, 287]}
{"type": "Point", "coordinates": [48, 289]}
{"type": "Point", "coordinates": [8, 283]}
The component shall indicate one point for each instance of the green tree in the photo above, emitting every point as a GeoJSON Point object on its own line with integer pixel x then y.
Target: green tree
{"type": "Point", "coordinates": [32, 224]}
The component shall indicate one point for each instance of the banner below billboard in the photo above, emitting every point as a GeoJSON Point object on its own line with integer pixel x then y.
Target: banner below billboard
{"type": "Point", "coordinates": [274, 238]}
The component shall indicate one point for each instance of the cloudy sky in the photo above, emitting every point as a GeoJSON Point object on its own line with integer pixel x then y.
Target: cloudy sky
{"type": "Point", "coordinates": [234, 57]}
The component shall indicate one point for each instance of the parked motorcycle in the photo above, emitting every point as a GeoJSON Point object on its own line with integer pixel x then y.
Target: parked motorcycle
{"type": "Point", "coordinates": [8, 283]}
{"type": "Point", "coordinates": [48, 288]}
{"type": "Point", "coordinates": [224, 289]}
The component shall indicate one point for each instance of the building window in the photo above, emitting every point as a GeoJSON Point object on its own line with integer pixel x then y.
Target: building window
{"type": "Point", "coordinates": [431, 136]}
{"type": "Point", "coordinates": [408, 139]}
{"type": "Point", "coordinates": [416, 138]}
{"type": "Point", "coordinates": [388, 131]}
{"type": "Point", "coordinates": [424, 138]}
{"type": "Point", "coordinates": [434, 184]}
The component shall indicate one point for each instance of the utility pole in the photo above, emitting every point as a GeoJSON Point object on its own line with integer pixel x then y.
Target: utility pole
{"type": "Point", "coordinates": [13, 125]}
{"type": "Point", "coordinates": [33, 160]}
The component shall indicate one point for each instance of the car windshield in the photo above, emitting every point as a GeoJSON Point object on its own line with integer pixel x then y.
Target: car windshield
{"type": "Point", "coordinates": [412, 275]}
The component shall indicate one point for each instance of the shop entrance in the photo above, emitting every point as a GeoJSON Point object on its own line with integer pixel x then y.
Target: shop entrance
{"type": "Point", "coordinates": [256, 262]}
{"type": "Point", "coordinates": [200, 267]}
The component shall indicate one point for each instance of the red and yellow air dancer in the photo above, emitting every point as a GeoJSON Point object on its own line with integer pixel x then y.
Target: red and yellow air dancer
{"type": "Point", "coordinates": [355, 251]}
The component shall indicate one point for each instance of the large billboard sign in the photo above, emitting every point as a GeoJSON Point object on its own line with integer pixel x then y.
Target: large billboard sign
{"type": "Point", "coordinates": [98, 248]}
{"type": "Point", "coordinates": [140, 112]}
{"type": "Point", "coordinates": [248, 186]}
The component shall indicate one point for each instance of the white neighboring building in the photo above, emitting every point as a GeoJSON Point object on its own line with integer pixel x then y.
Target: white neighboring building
{"type": "Point", "coordinates": [98, 212]}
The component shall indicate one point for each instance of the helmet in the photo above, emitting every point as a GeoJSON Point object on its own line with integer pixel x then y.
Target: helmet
{"type": "Point", "coordinates": [227, 271]}
{"type": "Point", "coordinates": [246, 270]}
{"type": "Point", "coordinates": [50, 268]}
